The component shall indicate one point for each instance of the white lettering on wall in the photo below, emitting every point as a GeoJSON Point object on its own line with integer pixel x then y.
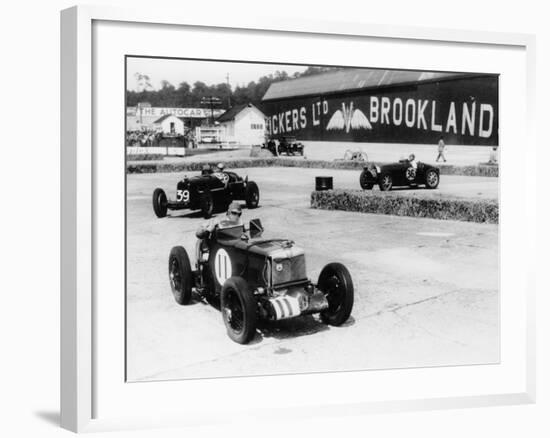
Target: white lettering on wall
{"type": "Point", "coordinates": [410, 113]}
{"type": "Point", "coordinates": [394, 111]}
{"type": "Point", "coordinates": [373, 117]}
{"type": "Point", "coordinates": [303, 120]}
{"type": "Point", "coordinates": [315, 119]}
{"type": "Point", "coordinates": [385, 117]}
{"type": "Point", "coordinates": [469, 118]}
{"type": "Point", "coordinates": [287, 121]}
{"type": "Point", "coordinates": [435, 127]}
{"type": "Point", "coordinates": [397, 111]}
{"type": "Point", "coordinates": [421, 119]}
{"type": "Point", "coordinates": [295, 125]}
{"type": "Point", "coordinates": [451, 119]}
{"type": "Point", "coordinates": [485, 108]}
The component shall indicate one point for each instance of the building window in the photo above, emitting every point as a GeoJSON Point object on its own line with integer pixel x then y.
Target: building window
{"type": "Point", "coordinates": [256, 126]}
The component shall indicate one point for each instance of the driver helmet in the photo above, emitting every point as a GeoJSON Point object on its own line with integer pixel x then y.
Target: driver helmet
{"type": "Point", "coordinates": [411, 157]}
{"type": "Point", "coordinates": [220, 167]}
{"type": "Point", "coordinates": [206, 169]}
{"type": "Point", "coordinates": [234, 209]}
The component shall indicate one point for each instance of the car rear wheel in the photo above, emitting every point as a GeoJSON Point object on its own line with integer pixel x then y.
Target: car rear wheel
{"type": "Point", "coordinates": [207, 204]}
{"type": "Point", "coordinates": [386, 182]}
{"type": "Point", "coordinates": [180, 274]}
{"type": "Point", "coordinates": [252, 195]}
{"type": "Point", "coordinates": [336, 283]}
{"type": "Point", "coordinates": [432, 179]}
{"type": "Point", "coordinates": [365, 180]}
{"type": "Point", "coordinates": [160, 203]}
{"type": "Point", "coordinates": [238, 307]}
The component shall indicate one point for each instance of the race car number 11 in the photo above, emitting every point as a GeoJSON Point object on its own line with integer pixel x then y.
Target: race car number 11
{"type": "Point", "coordinates": [182, 195]}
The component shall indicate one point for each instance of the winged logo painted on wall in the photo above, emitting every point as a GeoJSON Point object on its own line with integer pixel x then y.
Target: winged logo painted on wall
{"type": "Point", "coordinates": [348, 118]}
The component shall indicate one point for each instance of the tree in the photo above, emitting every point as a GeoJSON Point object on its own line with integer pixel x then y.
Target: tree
{"type": "Point", "coordinates": [187, 96]}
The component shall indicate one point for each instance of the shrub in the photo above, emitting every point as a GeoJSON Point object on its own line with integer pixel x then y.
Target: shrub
{"type": "Point", "coordinates": [144, 157]}
{"type": "Point", "coordinates": [183, 166]}
{"type": "Point", "coordinates": [461, 209]}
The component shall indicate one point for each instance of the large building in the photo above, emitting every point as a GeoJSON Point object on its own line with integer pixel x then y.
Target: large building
{"type": "Point", "coordinates": [387, 106]}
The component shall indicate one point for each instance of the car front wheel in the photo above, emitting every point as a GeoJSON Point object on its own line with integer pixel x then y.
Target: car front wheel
{"type": "Point", "coordinates": [160, 203]}
{"type": "Point", "coordinates": [365, 180]}
{"type": "Point", "coordinates": [336, 283]}
{"type": "Point", "coordinates": [180, 274]}
{"type": "Point", "coordinates": [238, 307]}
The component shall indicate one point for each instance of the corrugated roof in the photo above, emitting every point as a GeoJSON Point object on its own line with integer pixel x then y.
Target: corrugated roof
{"type": "Point", "coordinates": [349, 79]}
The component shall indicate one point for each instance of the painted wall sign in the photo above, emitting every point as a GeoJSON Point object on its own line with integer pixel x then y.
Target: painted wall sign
{"type": "Point", "coordinates": [463, 111]}
{"type": "Point", "coordinates": [178, 112]}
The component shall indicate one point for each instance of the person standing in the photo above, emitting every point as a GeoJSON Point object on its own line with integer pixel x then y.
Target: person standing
{"type": "Point", "coordinates": [493, 158]}
{"type": "Point", "coordinates": [441, 150]}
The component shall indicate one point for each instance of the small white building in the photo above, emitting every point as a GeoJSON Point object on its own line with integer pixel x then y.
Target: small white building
{"type": "Point", "coordinates": [170, 124]}
{"type": "Point", "coordinates": [243, 125]}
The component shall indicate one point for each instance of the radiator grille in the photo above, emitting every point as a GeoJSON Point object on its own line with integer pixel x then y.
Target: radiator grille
{"type": "Point", "coordinates": [286, 270]}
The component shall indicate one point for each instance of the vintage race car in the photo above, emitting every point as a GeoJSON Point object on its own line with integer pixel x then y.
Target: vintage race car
{"type": "Point", "coordinates": [208, 192]}
{"type": "Point", "coordinates": [403, 173]}
{"type": "Point", "coordinates": [285, 144]}
{"type": "Point", "coordinates": [258, 279]}
{"type": "Point", "coordinates": [356, 155]}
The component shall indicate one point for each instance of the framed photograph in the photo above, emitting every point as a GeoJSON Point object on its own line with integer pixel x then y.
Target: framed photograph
{"type": "Point", "coordinates": [319, 216]}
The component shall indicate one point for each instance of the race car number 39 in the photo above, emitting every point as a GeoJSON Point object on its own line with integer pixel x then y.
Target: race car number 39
{"type": "Point", "coordinates": [182, 195]}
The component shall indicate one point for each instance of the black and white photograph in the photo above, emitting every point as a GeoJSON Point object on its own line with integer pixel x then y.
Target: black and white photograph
{"type": "Point", "coordinates": [289, 219]}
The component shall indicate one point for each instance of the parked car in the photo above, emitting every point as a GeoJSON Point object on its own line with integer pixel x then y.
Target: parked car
{"type": "Point", "coordinates": [356, 155]}
{"type": "Point", "coordinates": [285, 144]}
{"type": "Point", "coordinates": [258, 279]}
{"type": "Point", "coordinates": [400, 174]}
{"type": "Point", "coordinates": [207, 192]}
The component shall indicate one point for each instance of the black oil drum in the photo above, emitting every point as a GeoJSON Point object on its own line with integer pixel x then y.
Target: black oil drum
{"type": "Point", "coordinates": [323, 183]}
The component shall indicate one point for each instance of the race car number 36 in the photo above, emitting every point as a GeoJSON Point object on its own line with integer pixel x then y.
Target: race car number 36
{"type": "Point", "coordinates": [222, 266]}
{"type": "Point", "coordinates": [182, 195]}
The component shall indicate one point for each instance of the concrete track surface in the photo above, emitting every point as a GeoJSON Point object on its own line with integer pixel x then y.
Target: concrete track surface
{"type": "Point", "coordinates": [426, 291]}
{"type": "Point", "coordinates": [381, 152]}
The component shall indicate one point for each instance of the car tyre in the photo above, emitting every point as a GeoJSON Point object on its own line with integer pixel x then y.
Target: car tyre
{"type": "Point", "coordinates": [432, 179]}
{"type": "Point", "coordinates": [238, 307]}
{"type": "Point", "coordinates": [365, 181]}
{"type": "Point", "coordinates": [160, 203]}
{"type": "Point", "coordinates": [386, 182]}
{"type": "Point", "coordinates": [207, 204]}
{"type": "Point", "coordinates": [180, 274]}
{"type": "Point", "coordinates": [252, 195]}
{"type": "Point", "coordinates": [336, 283]}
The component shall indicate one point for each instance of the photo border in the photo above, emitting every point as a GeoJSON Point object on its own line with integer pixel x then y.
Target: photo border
{"type": "Point", "coordinates": [78, 201]}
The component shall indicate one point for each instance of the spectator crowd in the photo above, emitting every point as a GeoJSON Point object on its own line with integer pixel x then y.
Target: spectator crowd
{"type": "Point", "coordinates": [145, 138]}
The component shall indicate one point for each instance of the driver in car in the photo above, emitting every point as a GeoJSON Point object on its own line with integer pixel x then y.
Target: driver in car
{"type": "Point", "coordinates": [231, 219]}
{"type": "Point", "coordinates": [412, 161]}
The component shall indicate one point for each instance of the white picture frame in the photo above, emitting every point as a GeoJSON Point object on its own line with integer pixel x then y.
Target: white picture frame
{"type": "Point", "coordinates": [82, 371]}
